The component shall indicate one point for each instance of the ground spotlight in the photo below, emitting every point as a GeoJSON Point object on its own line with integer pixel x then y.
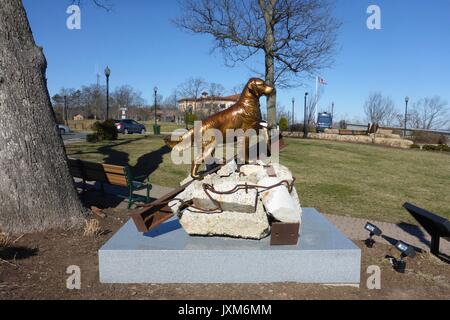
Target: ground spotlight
{"type": "Point", "coordinates": [406, 251]}
{"type": "Point", "coordinates": [374, 231]}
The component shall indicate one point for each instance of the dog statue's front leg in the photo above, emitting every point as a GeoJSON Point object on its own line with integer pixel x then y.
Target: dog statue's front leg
{"type": "Point", "coordinates": [207, 151]}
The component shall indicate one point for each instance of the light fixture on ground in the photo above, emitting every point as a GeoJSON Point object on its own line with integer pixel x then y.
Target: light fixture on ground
{"type": "Point", "coordinates": [374, 231]}
{"type": "Point", "coordinates": [406, 250]}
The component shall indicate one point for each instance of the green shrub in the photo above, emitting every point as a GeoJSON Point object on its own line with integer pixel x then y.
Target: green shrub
{"type": "Point", "coordinates": [105, 130]}
{"type": "Point", "coordinates": [430, 147]}
{"type": "Point", "coordinates": [415, 146]}
{"type": "Point", "coordinates": [284, 124]}
{"type": "Point", "coordinates": [191, 118]}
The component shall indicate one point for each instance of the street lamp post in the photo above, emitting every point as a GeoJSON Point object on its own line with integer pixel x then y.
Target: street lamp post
{"type": "Point", "coordinates": [305, 122]}
{"type": "Point", "coordinates": [107, 74]}
{"type": "Point", "coordinates": [406, 115]}
{"type": "Point", "coordinates": [155, 90]}
{"type": "Point", "coordinates": [293, 117]}
{"type": "Point", "coordinates": [155, 126]}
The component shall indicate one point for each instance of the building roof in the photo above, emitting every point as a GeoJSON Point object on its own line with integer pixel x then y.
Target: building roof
{"type": "Point", "coordinates": [232, 98]}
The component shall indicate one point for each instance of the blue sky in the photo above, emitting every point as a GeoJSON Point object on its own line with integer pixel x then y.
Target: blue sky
{"type": "Point", "coordinates": [409, 56]}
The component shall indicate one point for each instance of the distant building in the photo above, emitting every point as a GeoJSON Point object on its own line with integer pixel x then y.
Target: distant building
{"type": "Point", "coordinates": [206, 104]}
{"type": "Point", "coordinates": [78, 117]}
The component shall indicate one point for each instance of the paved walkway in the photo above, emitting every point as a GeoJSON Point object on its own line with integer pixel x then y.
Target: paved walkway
{"type": "Point", "coordinates": [411, 234]}
{"type": "Point", "coordinates": [353, 228]}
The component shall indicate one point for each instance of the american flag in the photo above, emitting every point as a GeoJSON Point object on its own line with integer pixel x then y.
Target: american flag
{"type": "Point", "coordinates": [321, 81]}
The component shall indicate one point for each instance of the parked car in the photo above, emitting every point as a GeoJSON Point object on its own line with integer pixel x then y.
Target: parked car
{"type": "Point", "coordinates": [62, 129]}
{"type": "Point", "coordinates": [129, 126]}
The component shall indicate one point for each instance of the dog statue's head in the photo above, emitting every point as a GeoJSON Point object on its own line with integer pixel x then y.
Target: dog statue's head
{"type": "Point", "coordinates": [259, 88]}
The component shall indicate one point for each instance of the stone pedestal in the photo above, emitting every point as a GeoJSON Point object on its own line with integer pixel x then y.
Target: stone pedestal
{"type": "Point", "coordinates": [169, 255]}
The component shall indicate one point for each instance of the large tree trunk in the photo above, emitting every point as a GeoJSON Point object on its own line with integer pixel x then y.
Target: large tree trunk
{"type": "Point", "coordinates": [269, 40]}
{"type": "Point", "coordinates": [36, 189]}
{"type": "Point", "coordinates": [272, 99]}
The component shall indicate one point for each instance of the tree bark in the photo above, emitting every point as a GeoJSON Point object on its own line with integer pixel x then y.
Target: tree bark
{"type": "Point", "coordinates": [269, 40]}
{"type": "Point", "coordinates": [36, 189]}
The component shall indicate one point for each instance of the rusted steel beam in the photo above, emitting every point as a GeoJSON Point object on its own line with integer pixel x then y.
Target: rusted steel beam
{"type": "Point", "coordinates": [150, 216]}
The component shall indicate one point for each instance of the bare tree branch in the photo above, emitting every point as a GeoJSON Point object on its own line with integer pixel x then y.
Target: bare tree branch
{"type": "Point", "coordinates": [430, 113]}
{"type": "Point", "coordinates": [379, 109]}
{"type": "Point", "coordinates": [296, 37]}
{"type": "Point", "coordinates": [103, 4]}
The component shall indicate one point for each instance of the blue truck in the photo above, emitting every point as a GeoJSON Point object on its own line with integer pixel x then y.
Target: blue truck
{"type": "Point", "coordinates": [324, 121]}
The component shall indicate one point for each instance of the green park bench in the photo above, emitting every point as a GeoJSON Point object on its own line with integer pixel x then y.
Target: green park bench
{"type": "Point", "coordinates": [111, 174]}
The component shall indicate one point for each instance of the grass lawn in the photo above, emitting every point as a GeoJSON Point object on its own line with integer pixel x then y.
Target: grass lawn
{"type": "Point", "coordinates": [338, 178]}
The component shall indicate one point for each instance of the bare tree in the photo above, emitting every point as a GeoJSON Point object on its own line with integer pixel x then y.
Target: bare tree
{"type": "Point", "coordinates": [429, 113]}
{"type": "Point", "coordinates": [216, 89]}
{"type": "Point", "coordinates": [297, 37]}
{"type": "Point", "coordinates": [311, 107]}
{"type": "Point", "coordinates": [126, 97]}
{"type": "Point", "coordinates": [379, 109]}
{"type": "Point", "coordinates": [192, 88]}
{"type": "Point", "coordinates": [92, 100]}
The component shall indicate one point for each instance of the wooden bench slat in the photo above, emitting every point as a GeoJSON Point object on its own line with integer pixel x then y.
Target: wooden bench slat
{"type": "Point", "coordinates": [109, 168]}
{"type": "Point", "coordinates": [116, 180]}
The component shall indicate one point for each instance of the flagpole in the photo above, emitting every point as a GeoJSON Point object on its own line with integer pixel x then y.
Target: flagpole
{"type": "Point", "coordinates": [317, 99]}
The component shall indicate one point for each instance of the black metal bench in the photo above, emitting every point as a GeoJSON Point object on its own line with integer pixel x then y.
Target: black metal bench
{"type": "Point", "coordinates": [438, 227]}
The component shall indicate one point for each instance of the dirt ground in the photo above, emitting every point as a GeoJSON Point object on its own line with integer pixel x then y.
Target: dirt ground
{"type": "Point", "coordinates": [35, 268]}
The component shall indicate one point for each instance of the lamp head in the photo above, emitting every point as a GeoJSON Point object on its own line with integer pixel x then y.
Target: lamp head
{"type": "Point", "coordinates": [107, 71]}
{"type": "Point", "coordinates": [373, 229]}
{"type": "Point", "coordinates": [405, 249]}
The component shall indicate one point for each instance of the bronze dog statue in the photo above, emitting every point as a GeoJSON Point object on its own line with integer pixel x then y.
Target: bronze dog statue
{"type": "Point", "coordinates": [245, 115]}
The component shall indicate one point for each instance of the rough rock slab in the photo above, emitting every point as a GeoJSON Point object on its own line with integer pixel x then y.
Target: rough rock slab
{"type": "Point", "coordinates": [240, 218]}
{"type": "Point", "coordinates": [279, 203]}
{"type": "Point", "coordinates": [228, 223]}
{"type": "Point", "coordinates": [169, 255]}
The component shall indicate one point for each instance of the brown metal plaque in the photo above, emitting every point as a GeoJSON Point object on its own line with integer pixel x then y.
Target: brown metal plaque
{"type": "Point", "coordinates": [284, 234]}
